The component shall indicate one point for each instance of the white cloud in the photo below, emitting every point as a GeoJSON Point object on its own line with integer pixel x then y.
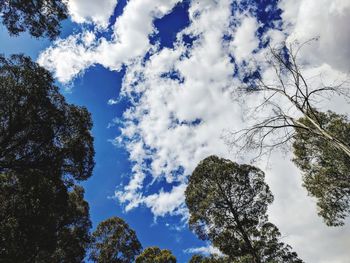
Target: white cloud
{"type": "Point", "coordinates": [112, 101]}
{"type": "Point", "coordinates": [167, 108]}
{"type": "Point", "coordinates": [71, 56]}
{"type": "Point", "coordinates": [92, 11]}
{"type": "Point", "coordinates": [328, 20]}
{"type": "Point", "coordinates": [244, 39]}
{"type": "Point", "coordinates": [295, 214]}
{"type": "Point", "coordinates": [207, 250]}
{"type": "Point", "coordinates": [167, 202]}
{"type": "Point", "coordinates": [68, 57]}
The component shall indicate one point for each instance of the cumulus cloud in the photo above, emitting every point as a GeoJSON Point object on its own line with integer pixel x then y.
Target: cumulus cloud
{"type": "Point", "coordinates": [71, 56]}
{"type": "Point", "coordinates": [68, 57]}
{"type": "Point", "coordinates": [176, 121]}
{"type": "Point", "coordinates": [91, 11]}
{"type": "Point", "coordinates": [172, 124]}
{"type": "Point", "coordinates": [163, 202]}
{"type": "Point", "coordinates": [326, 20]}
{"type": "Point", "coordinates": [244, 39]}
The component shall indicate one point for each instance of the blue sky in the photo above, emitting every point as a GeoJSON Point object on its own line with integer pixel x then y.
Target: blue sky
{"type": "Point", "coordinates": [159, 79]}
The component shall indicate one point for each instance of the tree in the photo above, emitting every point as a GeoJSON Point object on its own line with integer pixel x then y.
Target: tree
{"type": "Point", "coordinates": [40, 17]}
{"type": "Point", "coordinates": [289, 90]}
{"type": "Point", "coordinates": [114, 242]}
{"type": "Point", "coordinates": [326, 168]}
{"type": "Point", "coordinates": [156, 255]}
{"type": "Point", "coordinates": [38, 128]}
{"type": "Point", "coordinates": [45, 147]}
{"type": "Point", "coordinates": [40, 221]}
{"type": "Point", "coordinates": [74, 237]}
{"type": "Point", "coordinates": [295, 119]}
{"type": "Point", "coordinates": [227, 204]}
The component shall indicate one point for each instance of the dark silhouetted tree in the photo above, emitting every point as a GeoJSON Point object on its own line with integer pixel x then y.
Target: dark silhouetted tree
{"type": "Point", "coordinates": [326, 168]}
{"type": "Point", "coordinates": [45, 147]}
{"type": "Point", "coordinates": [74, 237]}
{"type": "Point", "coordinates": [156, 255]}
{"type": "Point", "coordinates": [227, 204]}
{"type": "Point", "coordinates": [38, 128]}
{"type": "Point", "coordinates": [39, 17]}
{"type": "Point", "coordinates": [40, 221]}
{"type": "Point", "coordinates": [114, 242]}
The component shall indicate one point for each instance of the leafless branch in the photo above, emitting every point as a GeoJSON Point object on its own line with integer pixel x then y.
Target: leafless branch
{"type": "Point", "coordinates": [277, 129]}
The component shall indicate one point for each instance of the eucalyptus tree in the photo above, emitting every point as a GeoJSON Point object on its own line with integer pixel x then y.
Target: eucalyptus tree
{"type": "Point", "coordinates": [114, 242]}
{"type": "Point", "coordinates": [40, 17]}
{"type": "Point", "coordinates": [40, 220]}
{"type": "Point", "coordinates": [38, 128]}
{"type": "Point", "coordinates": [326, 169]}
{"type": "Point", "coordinates": [46, 147]}
{"type": "Point", "coordinates": [228, 204]}
{"type": "Point", "coordinates": [288, 89]}
{"type": "Point", "coordinates": [320, 139]}
{"type": "Point", "coordinates": [156, 255]}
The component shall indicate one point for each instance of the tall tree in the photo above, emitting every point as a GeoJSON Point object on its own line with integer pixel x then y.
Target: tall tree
{"type": "Point", "coordinates": [74, 236]}
{"type": "Point", "coordinates": [325, 134]}
{"type": "Point", "coordinates": [40, 221]}
{"type": "Point", "coordinates": [38, 128]}
{"type": "Point", "coordinates": [227, 204]}
{"type": "Point", "coordinates": [326, 168]}
{"type": "Point", "coordinates": [39, 17]}
{"type": "Point", "coordinates": [45, 147]}
{"type": "Point", "coordinates": [114, 242]}
{"type": "Point", "coordinates": [289, 89]}
{"type": "Point", "coordinates": [156, 255]}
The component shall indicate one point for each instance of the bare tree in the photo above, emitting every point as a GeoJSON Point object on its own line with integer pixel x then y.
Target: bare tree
{"type": "Point", "coordinates": [279, 127]}
{"type": "Point", "coordinates": [320, 139]}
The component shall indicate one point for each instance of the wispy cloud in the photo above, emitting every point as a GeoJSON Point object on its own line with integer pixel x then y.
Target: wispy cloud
{"type": "Point", "coordinates": [207, 250]}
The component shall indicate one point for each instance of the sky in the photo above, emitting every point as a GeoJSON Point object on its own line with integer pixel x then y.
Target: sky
{"type": "Point", "coordinates": [160, 79]}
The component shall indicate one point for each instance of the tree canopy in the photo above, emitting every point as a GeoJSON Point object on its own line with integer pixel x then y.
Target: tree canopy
{"type": "Point", "coordinates": [38, 128]}
{"type": "Point", "coordinates": [40, 221]}
{"type": "Point", "coordinates": [227, 204]}
{"type": "Point", "coordinates": [41, 18]}
{"type": "Point", "coordinates": [326, 168]}
{"type": "Point", "coordinates": [156, 255]}
{"type": "Point", "coordinates": [320, 139]}
{"type": "Point", "coordinates": [114, 242]}
{"type": "Point", "coordinates": [45, 148]}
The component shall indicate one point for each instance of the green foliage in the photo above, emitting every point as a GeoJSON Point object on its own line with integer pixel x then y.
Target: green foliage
{"type": "Point", "coordinates": [38, 128]}
{"type": "Point", "coordinates": [156, 255]}
{"type": "Point", "coordinates": [40, 17]}
{"type": "Point", "coordinates": [40, 221]}
{"type": "Point", "coordinates": [74, 237]}
{"type": "Point", "coordinates": [227, 204]}
{"type": "Point", "coordinates": [45, 147]}
{"type": "Point", "coordinates": [114, 242]}
{"type": "Point", "coordinates": [326, 168]}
